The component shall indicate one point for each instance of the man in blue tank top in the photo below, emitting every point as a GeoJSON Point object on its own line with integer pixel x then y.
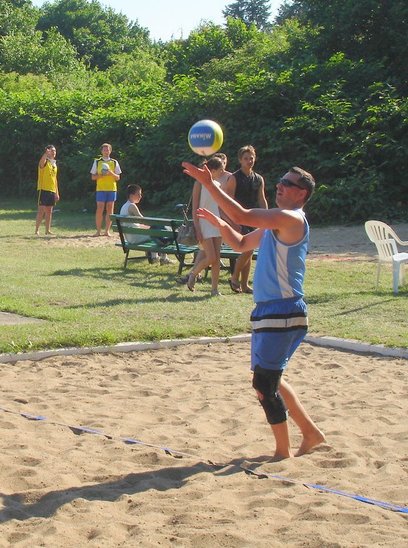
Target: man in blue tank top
{"type": "Point", "coordinates": [279, 319]}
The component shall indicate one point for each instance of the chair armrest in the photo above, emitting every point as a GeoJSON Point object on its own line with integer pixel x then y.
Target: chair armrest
{"type": "Point", "coordinates": [401, 242]}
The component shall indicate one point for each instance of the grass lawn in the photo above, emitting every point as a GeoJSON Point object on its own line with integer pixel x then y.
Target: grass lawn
{"type": "Point", "coordinates": [86, 298]}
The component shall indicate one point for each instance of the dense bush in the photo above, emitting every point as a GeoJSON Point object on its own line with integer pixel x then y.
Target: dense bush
{"type": "Point", "coordinates": [288, 92]}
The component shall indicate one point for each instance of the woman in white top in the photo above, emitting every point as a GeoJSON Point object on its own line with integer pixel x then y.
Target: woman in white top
{"type": "Point", "coordinates": [208, 236]}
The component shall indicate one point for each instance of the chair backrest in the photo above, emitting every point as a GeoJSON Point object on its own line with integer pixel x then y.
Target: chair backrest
{"type": "Point", "coordinates": [382, 236]}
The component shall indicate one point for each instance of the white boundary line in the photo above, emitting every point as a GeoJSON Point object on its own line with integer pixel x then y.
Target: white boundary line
{"type": "Point", "coordinates": [327, 342]}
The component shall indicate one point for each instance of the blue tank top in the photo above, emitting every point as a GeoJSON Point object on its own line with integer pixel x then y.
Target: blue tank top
{"type": "Point", "coordinates": [280, 268]}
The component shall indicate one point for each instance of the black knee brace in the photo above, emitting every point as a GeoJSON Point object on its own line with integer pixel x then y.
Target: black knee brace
{"type": "Point", "coordinates": [266, 383]}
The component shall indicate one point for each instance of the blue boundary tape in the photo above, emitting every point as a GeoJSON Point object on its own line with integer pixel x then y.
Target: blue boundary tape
{"type": "Point", "coordinates": [323, 488]}
{"type": "Point", "coordinates": [78, 430]}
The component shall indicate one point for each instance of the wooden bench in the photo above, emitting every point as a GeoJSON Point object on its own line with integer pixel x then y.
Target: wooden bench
{"type": "Point", "coordinates": [161, 234]}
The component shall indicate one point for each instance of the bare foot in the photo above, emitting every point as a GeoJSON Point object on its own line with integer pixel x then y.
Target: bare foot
{"type": "Point", "coordinates": [36, 233]}
{"type": "Point", "coordinates": [264, 459]}
{"type": "Point", "coordinates": [278, 457]}
{"type": "Point", "coordinates": [96, 235]}
{"type": "Point", "coordinates": [309, 442]}
{"type": "Point", "coordinates": [108, 234]}
{"type": "Point", "coordinates": [49, 233]}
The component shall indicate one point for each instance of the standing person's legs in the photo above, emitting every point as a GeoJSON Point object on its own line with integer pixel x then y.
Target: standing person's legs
{"type": "Point", "coordinates": [40, 216]}
{"type": "Point", "coordinates": [312, 436]}
{"type": "Point", "coordinates": [216, 266]}
{"type": "Point", "coordinates": [109, 211]}
{"type": "Point", "coordinates": [245, 271]}
{"type": "Point", "coordinates": [208, 258]}
{"type": "Point", "coordinates": [100, 207]}
{"type": "Point", "coordinates": [240, 265]}
{"type": "Point", "coordinates": [267, 383]}
{"type": "Point", "coordinates": [272, 346]}
{"type": "Point", "coordinates": [198, 258]}
{"type": "Point", "coordinates": [48, 219]}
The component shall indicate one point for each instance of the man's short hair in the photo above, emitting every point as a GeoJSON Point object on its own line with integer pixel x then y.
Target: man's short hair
{"type": "Point", "coordinates": [305, 180]}
{"type": "Point", "coordinates": [133, 189]}
{"type": "Point", "coordinates": [246, 148]}
{"type": "Point", "coordinates": [106, 145]}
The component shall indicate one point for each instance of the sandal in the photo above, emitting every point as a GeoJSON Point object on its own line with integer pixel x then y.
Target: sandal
{"type": "Point", "coordinates": [182, 279]}
{"type": "Point", "coordinates": [236, 288]}
{"type": "Point", "coordinates": [191, 282]}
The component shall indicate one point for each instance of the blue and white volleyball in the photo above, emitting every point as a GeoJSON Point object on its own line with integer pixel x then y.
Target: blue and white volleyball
{"type": "Point", "coordinates": [205, 137]}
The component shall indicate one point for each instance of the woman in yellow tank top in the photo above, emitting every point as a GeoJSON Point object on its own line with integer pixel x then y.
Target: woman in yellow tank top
{"type": "Point", "coordinates": [47, 187]}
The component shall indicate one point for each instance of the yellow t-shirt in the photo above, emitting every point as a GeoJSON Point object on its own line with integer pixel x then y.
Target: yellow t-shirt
{"type": "Point", "coordinates": [47, 177]}
{"type": "Point", "coordinates": [108, 183]}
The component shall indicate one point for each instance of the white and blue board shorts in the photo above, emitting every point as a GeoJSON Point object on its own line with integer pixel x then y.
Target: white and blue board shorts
{"type": "Point", "coordinates": [278, 328]}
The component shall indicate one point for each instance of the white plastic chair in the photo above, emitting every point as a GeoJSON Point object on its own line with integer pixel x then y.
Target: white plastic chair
{"type": "Point", "coordinates": [385, 241]}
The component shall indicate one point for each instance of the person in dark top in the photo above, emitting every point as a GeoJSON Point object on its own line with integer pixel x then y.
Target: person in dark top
{"type": "Point", "coordinates": [248, 189]}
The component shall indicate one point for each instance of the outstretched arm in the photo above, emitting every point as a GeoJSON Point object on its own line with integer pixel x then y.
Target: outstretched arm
{"type": "Point", "coordinates": [233, 238]}
{"type": "Point", "coordinates": [275, 219]}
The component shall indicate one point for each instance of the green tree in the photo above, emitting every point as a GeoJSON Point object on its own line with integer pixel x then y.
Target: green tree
{"type": "Point", "coordinates": [17, 16]}
{"type": "Point", "coordinates": [206, 43]}
{"type": "Point", "coordinates": [132, 69]}
{"type": "Point", "coordinates": [375, 30]}
{"type": "Point", "coordinates": [255, 12]}
{"type": "Point", "coordinates": [38, 53]}
{"type": "Point", "coordinates": [96, 32]}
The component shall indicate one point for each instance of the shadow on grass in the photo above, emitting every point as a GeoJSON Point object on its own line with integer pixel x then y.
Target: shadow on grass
{"type": "Point", "coordinates": [365, 307]}
{"type": "Point", "coordinates": [18, 215]}
{"type": "Point", "coordinates": [185, 296]}
{"type": "Point", "coordinates": [137, 279]}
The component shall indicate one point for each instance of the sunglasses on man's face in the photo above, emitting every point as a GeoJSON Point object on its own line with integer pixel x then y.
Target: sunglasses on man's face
{"type": "Point", "coordinates": [287, 183]}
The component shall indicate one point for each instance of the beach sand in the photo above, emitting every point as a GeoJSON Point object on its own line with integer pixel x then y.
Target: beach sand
{"type": "Point", "coordinates": [62, 489]}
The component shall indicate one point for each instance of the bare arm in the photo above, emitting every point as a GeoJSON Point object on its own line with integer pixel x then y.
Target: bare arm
{"type": "Point", "coordinates": [43, 160]}
{"type": "Point", "coordinates": [288, 224]}
{"type": "Point", "coordinates": [261, 195]}
{"type": "Point", "coordinates": [229, 187]}
{"type": "Point", "coordinates": [134, 210]}
{"type": "Point", "coordinates": [233, 238]}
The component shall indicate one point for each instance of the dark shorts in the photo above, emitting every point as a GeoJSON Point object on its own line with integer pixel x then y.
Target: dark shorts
{"type": "Point", "coordinates": [105, 196]}
{"type": "Point", "coordinates": [47, 198]}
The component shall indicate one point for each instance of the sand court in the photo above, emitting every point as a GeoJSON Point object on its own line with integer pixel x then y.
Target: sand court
{"type": "Point", "coordinates": [62, 489]}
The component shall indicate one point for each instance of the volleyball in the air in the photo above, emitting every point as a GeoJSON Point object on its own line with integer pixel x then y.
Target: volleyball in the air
{"type": "Point", "coordinates": [205, 137]}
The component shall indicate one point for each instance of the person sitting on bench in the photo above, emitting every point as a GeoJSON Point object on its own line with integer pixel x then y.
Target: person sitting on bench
{"type": "Point", "coordinates": [130, 209]}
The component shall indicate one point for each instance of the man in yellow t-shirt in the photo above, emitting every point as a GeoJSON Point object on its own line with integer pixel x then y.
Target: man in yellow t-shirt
{"type": "Point", "coordinates": [106, 172]}
{"type": "Point", "coordinates": [47, 187]}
